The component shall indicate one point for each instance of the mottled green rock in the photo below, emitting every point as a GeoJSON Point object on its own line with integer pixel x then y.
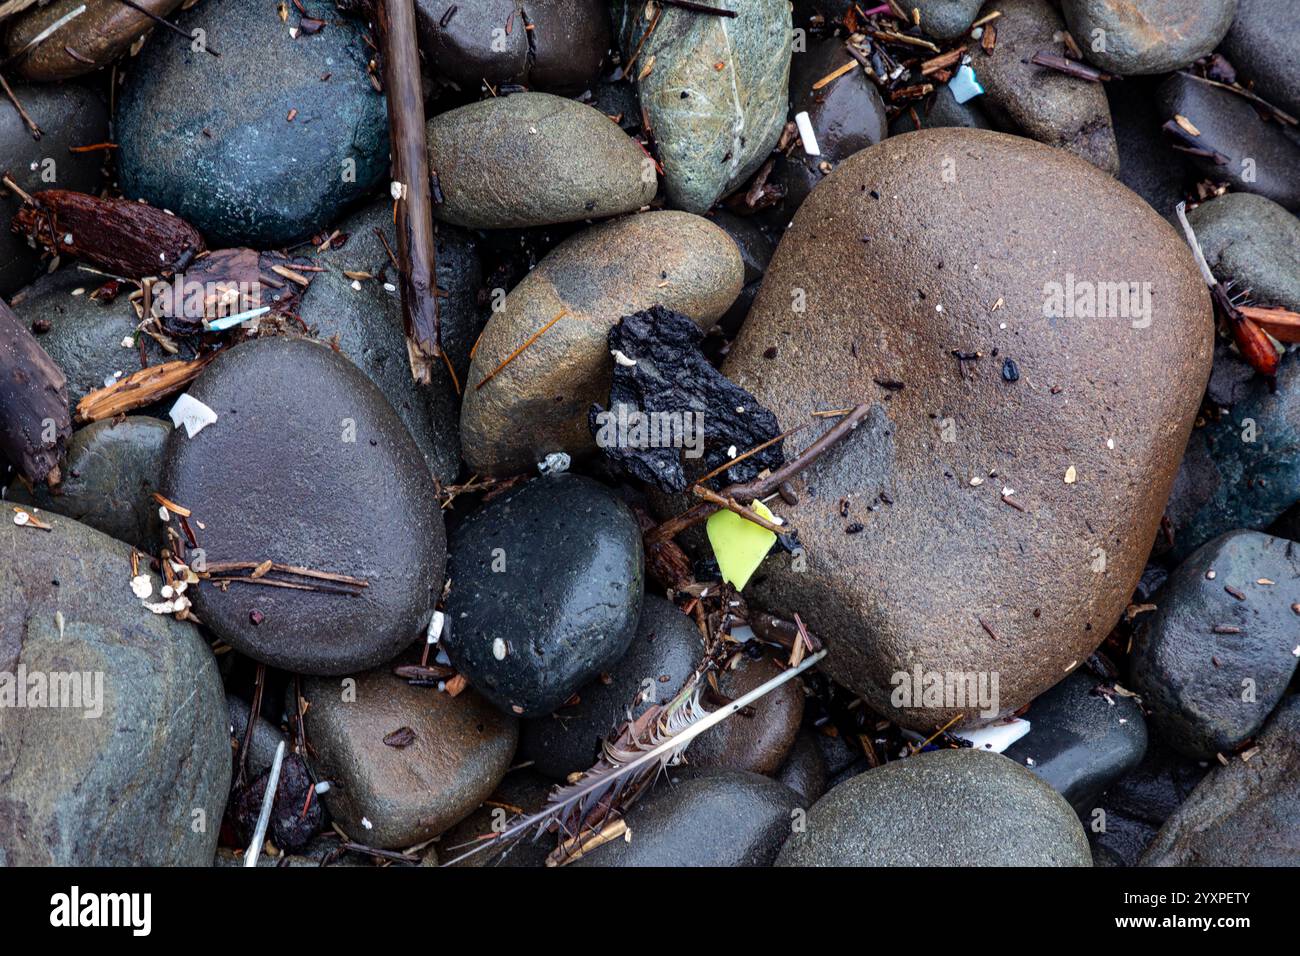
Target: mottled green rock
{"type": "Point", "coordinates": [85, 336]}
{"type": "Point", "coordinates": [716, 94]}
{"type": "Point", "coordinates": [1254, 241]}
{"type": "Point", "coordinates": [532, 159]}
{"type": "Point", "coordinates": [942, 808]}
{"type": "Point", "coordinates": [144, 782]}
{"type": "Point", "coordinates": [210, 138]}
{"type": "Point", "coordinates": [539, 402]}
{"type": "Point", "coordinates": [111, 470]}
{"type": "Point", "coordinates": [368, 324]}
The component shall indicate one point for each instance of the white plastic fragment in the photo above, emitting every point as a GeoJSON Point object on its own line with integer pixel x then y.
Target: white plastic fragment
{"type": "Point", "coordinates": [995, 737]}
{"type": "Point", "coordinates": [964, 86]}
{"type": "Point", "coordinates": [622, 359]}
{"type": "Point", "coordinates": [191, 413]}
{"type": "Point", "coordinates": [435, 627]}
{"type": "Point", "coordinates": [806, 134]}
{"type": "Point", "coordinates": [141, 586]}
{"type": "Point", "coordinates": [742, 633]}
{"type": "Point", "coordinates": [555, 463]}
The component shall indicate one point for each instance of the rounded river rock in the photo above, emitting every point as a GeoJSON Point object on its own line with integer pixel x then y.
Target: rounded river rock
{"type": "Point", "coordinates": [546, 589]}
{"type": "Point", "coordinates": [307, 466]}
{"type": "Point", "coordinates": [972, 523]}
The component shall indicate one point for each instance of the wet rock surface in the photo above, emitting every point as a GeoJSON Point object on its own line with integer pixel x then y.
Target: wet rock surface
{"type": "Point", "coordinates": [538, 403]}
{"type": "Point", "coordinates": [1046, 105]}
{"type": "Point", "coordinates": [664, 653]}
{"type": "Point", "coordinates": [366, 323]}
{"type": "Point", "coordinates": [104, 31]}
{"type": "Point", "coordinates": [1083, 737]}
{"type": "Point", "coordinates": [804, 770]}
{"type": "Point", "coordinates": [1241, 470]}
{"type": "Point", "coordinates": [1136, 806]}
{"type": "Point", "coordinates": [1154, 36]}
{"type": "Point", "coordinates": [1147, 163]}
{"type": "Point", "coordinates": [946, 19]}
{"type": "Point", "coordinates": [946, 808]}
{"type": "Point", "coordinates": [409, 761]}
{"type": "Point", "coordinates": [1244, 814]}
{"type": "Point", "coordinates": [158, 734]}
{"type": "Point", "coordinates": [111, 471]}
{"type": "Point", "coordinates": [523, 791]}
{"type": "Point", "coordinates": [1259, 157]}
{"type": "Point", "coordinates": [549, 580]}
{"type": "Point", "coordinates": [797, 363]}
{"type": "Point", "coordinates": [1262, 45]}
{"type": "Point", "coordinates": [68, 115]}
{"type": "Point", "coordinates": [757, 741]}
{"type": "Point", "coordinates": [533, 159]}
{"type": "Point", "coordinates": [1217, 655]}
{"type": "Point", "coordinates": [1254, 242]}
{"type": "Point", "coordinates": [717, 96]}
{"type": "Point", "coordinates": [715, 818]}
{"type": "Point", "coordinates": [309, 467]}
{"type": "Point", "coordinates": [216, 144]}
{"type": "Point", "coordinates": [551, 45]}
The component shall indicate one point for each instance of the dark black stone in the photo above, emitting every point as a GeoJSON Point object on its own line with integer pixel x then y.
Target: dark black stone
{"type": "Point", "coordinates": [308, 465]}
{"type": "Point", "coordinates": [1083, 736]}
{"type": "Point", "coordinates": [550, 576]}
{"type": "Point", "coordinates": [804, 771]}
{"type": "Point", "coordinates": [661, 657]}
{"type": "Point", "coordinates": [68, 114]}
{"type": "Point", "coordinates": [1148, 165]}
{"type": "Point", "coordinates": [719, 819]}
{"type": "Point", "coordinates": [1209, 692]}
{"type": "Point", "coordinates": [210, 137]}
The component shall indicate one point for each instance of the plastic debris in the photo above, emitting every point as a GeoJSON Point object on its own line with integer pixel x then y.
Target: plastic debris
{"type": "Point", "coordinates": [435, 627]}
{"type": "Point", "coordinates": [995, 737]}
{"type": "Point", "coordinates": [230, 321]}
{"type": "Point", "coordinates": [555, 463]}
{"type": "Point", "coordinates": [964, 86]}
{"type": "Point", "coordinates": [806, 134]}
{"type": "Point", "coordinates": [191, 413]}
{"type": "Point", "coordinates": [739, 545]}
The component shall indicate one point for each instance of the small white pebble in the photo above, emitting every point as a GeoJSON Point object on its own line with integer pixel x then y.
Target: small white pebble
{"type": "Point", "coordinates": [356, 285]}
{"type": "Point", "coordinates": [499, 649]}
{"type": "Point", "coordinates": [731, 452]}
{"type": "Point", "coordinates": [1070, 475]}
{"type": "Point", "coordinates": [976, 481]}
{"type": "Point", "coordinates": [365, 822]}
{"type": "Point", "coordinates": [1110, 443]}
{"type": "Point", "coordinates": [21, 518]}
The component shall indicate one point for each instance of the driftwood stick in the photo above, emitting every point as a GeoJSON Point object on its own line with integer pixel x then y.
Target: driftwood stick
{"type": "Point", "coordinates": [34, 421]}
{"type": "Point", "coordinates": [415, 247]}
{"type": "Point", "coordinates": [760, 487]}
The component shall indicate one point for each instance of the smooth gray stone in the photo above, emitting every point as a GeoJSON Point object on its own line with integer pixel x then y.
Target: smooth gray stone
{"type": "Point", "coordinates": [941, 808]}
{"type": "Point", "coordinates": [266, 736]}
{"type": "Point", "coordinates": [1260, 157]}
{"type": "Point", "coordinates": [548, 581]}
{"type": "Point", "coordinates": [210, 137]}
{"type": "Point", "coordinates": [1244, 814]}
{"type": "Point", "coordinates": [308, 465]}
{"type": "Point", "coordinates": [665, 652]}
{"type": "Point", "coordinates": [1254, 241]}
{"type": "Point", "coordinates": [945, 19]}
{"type": "Point", "coordinates": [524, 789]}
{"type": "Point", "coordinates": [1209, 692]}
{"type": "Point", "coordinates": [1153, 36]}
{"type": "Point", "coordinates": [109, 477]}
{"type": "Point", "coordinates": [804, 771]}
{"type": "Point", "coordinates": [1147, 163]}
{"type": "Point", "coordinates": [1264, 46]}
{"type": "Point", "coordinates": [68, 114]}
{"type": "Point", "coordinates": [721, 818]}
{"type": "Point", "coordinates": [140, 783]}
{"type": "Point", "coordinates": [369, 326]}
{"type": "Point", "coordinates": [1081, 742]}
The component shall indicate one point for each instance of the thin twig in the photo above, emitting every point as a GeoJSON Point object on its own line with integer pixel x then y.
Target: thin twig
{"type": "Point", "coordinates": [516, 353]}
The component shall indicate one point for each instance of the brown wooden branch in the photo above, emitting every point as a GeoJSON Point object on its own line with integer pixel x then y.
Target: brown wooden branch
{"type": "Point", "coordinates": [139, 389]}
{"type": "Point", "coordinates": [395, 20]}
{"type": "Point", "coordinates": [34, 421]}
{"type": "Point", "coordinates": [761, 487]}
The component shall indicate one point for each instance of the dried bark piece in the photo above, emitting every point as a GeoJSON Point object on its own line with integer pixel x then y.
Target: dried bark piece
{"type": "Point", "coordinates": [34, 422]}
{"type": "Point", "coordinates": [128, 239]}
{"type": "Point", "coordinates": [139, 389]}
{"type": "Point", "coordinates": [229, 282]}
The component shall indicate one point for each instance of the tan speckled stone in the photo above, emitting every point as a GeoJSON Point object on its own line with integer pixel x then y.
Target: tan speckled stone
{"type": "Point", "coordinates": [945, 265]}
{"type": "Point", "coordinates": [538, 403]}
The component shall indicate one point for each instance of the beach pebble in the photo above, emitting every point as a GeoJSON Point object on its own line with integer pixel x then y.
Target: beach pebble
{"type": "Point", "coordinates": [1154, 36]}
